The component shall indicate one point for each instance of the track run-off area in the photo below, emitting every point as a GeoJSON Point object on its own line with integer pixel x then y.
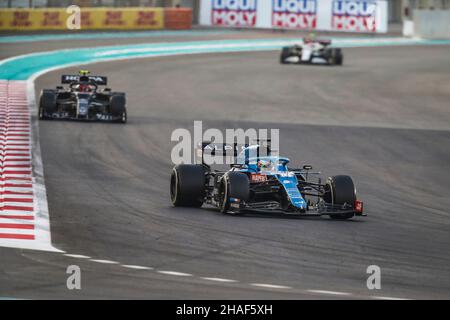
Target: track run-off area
{"type": "Point", "coordinates": [102, 190]}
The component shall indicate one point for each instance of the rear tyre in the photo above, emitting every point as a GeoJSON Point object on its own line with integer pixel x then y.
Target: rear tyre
{"type": "Point", "coordinates": [233, 185]}
{"type": "Point", "coordinates": [47, 104]}
{"type": "Point", "coordinates": [285, 53]}
{"type": "Point", "coordinates": [334, 56]}
{"type": "Point", "coordinates": [329, 56]}
{"type": "Point", "coordinates": [187, 185]}
{"type": "Point", "coordinates": [340, 190]}
{"type": "Point", "coordinates": [338, 57]}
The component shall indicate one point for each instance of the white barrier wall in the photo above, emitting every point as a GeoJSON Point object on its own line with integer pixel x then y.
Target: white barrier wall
{"type": "Point", "coordinates": [432, 24]}
{"type": "Point", "coordinates": [328, 15]}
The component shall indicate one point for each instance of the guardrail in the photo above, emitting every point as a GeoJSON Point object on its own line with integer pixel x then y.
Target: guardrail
{"type": "Point", "coordinates": [432, 24]}
{"type": "Point", "coordinates": [96, 19]}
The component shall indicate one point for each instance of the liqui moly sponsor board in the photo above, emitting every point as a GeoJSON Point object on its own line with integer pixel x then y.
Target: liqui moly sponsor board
{"type": "Point", "coordinates": [354, 15]}
{"type": "Point", "coordinates": [364, 16]}
{"type": "Point", "coordinates": [234, 13]}
{"type": "Point", "coordinates": [294, 14]}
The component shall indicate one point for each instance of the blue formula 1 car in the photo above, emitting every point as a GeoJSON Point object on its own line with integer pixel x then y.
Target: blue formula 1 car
{"type": "Point", "coordinates": [263, 183]}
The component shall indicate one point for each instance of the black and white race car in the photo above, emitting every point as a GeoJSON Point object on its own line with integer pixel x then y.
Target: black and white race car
{"type": "Point", "coordinates": [82, 100]}
{"type": "Point", "coordinates": [312, 51]}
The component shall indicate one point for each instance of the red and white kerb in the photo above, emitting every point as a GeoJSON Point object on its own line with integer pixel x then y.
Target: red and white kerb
{"type": "Point", "coordinates": [17, 213]}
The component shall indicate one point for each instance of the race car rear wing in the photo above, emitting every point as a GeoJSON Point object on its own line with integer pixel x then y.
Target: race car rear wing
{"type": "Point", "coordinates": [230, 152]}
{"type": "Point", "coordinates": [99, 80]}
{"type": "Point", "coordinates": [207, 148]}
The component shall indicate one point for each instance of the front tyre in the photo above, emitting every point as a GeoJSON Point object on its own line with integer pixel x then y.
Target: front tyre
{"type": "Point", "coordinates": [233, 185]}
{"type": "Point", "coordinates": [187, 185]}
{"type": "Point", "coordinates": [124, 118]}
{"type": "Point", "coordinates": [340, 190]}
{"type": "Point", "coordinates": [47, 104]}
{"type": "Point", "coordinates": [117, 107]}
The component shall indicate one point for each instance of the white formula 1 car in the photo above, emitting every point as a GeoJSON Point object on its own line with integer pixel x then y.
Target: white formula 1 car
{"type": "Point", "coordinates": [312, 52]}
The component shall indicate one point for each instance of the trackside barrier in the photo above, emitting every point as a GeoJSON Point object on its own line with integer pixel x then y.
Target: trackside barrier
{"type": "Point", "coordinates": [177, 18]}
{"type": "Point", "coordinates": [95, 19]}
{"type": "Point", "coordinates": [432, 24]}
{"type": "Point", "coordinates": [368, 16]}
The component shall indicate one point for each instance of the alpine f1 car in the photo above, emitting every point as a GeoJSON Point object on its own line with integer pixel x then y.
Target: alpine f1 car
{"type": "Point", "coordinates": [263, 183]}
{"type": "Point", "coordinates": [312, 51]}
{"type": "Point", "coordinates": [83, 100]}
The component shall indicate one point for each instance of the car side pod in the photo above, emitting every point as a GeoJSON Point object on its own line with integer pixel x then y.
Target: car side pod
{"type": "Point", "coordinates": [359, 208]}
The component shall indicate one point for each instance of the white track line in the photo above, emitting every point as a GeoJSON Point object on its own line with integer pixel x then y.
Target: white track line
{"type": "Point", "coordinates": [79, 256]}
{"type": "Point", "coordinates": [129, 266]}
{"type": "Point", "coordinates": [387, 298]}
{"type": "Point", "coordinates": [224, 280]}
{"type": "Point", "coordinates": [270, 286]}
{"type": "Point", "coordinates": [219, 279]}
{"type": "Point", "coordinates": [104, 261]}
{"type": "Point", "coordinates": [335, 293]}
{"type": "Point", "coordinates": [174, 273]}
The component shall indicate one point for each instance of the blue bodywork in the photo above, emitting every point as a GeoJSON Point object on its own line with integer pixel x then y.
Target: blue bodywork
{"type": "Point", "coordinates": [276, 167]}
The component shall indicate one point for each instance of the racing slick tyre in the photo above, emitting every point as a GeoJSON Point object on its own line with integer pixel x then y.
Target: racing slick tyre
{"type": "Point", "coordinates": [117, 108]}
{"type": "Point", "coordinates": [187, 185]}
{"type": "Point", "coordinates": [334, 56]}
{"type": "Point", "coordinates": [285, 53]}
{"type": "Point", "coordinates": [233, 185]}
{"type": "Point", "coordinates": [124, 117]}
{"type": "Point", "coordinates": [338, 57]}
{"type": "Point", "coordinates": [47, 104]}
{"type": "Point", "coordinates": [338, 191]}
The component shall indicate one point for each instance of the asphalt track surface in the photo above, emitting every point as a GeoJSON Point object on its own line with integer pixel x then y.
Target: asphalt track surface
{"type": "Point", "coordinates": [8, 49]}
{"type": "Point", "coordinates": [383, 118]}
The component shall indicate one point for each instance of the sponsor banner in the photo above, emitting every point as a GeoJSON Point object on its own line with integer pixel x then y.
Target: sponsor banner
{"type": "Point", "coordinates": [294, 14]}
{"type": "Point", "coordinates": [178, 18]}
{"type": "Point", "coordinates": [234, 13]}
{"type": "Point", "coordinates": [368, 16]}
{"type": "Point", "coordinates": [24, 19]}
{"type": "Point", "coordinates": [354, 15]}
{"type": "Point", "coordinates": [91, 18]}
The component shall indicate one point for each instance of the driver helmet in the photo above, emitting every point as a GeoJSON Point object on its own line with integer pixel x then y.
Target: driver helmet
{"type": "Point", "coordinates": [264, 164]}
{"type": "Point", "coordinates": [310, 38]}
{"type": "Point", "coordinates": [84, 84]}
